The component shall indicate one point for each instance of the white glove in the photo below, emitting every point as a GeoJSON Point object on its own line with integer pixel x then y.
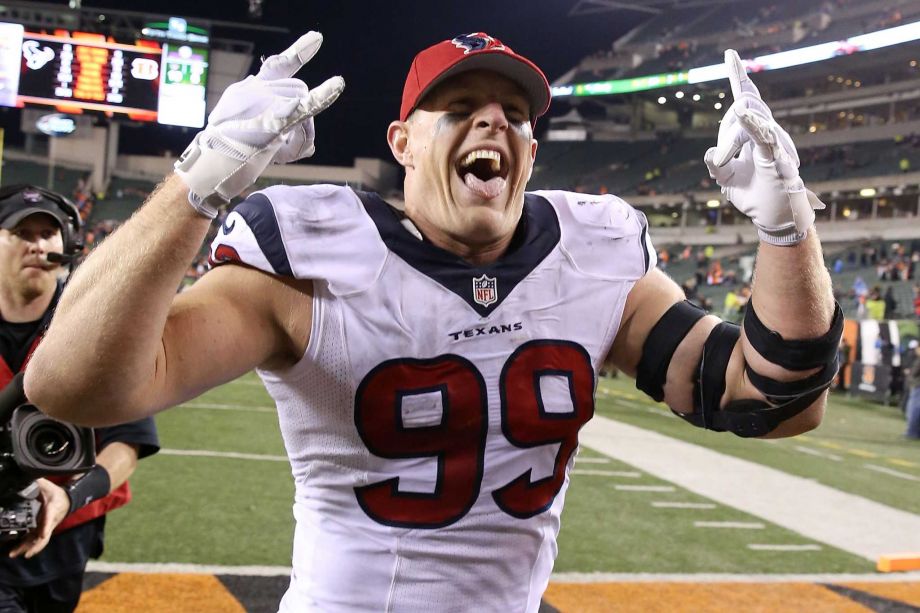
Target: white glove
{"type": "Point", "coordinates": [264, 119]}
{"type": "Point", "coordinates": [763, 181]}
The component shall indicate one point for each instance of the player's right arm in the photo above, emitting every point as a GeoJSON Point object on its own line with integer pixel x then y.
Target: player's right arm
{"type": "Point", "coordinates": [122, 345]}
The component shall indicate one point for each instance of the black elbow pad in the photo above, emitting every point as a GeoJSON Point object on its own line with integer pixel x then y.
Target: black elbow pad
{"type": "Point", "coordinates": [786, 399]}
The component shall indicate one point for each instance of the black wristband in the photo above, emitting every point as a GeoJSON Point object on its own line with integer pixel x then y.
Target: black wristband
{"type": "Point", "coordinates": [93, 485]}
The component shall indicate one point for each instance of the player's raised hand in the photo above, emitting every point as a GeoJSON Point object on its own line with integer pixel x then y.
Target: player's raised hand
{"type": "Point", "coordinates": [757, 166]}
{"type": "Point", "coordinates": [264, 119]}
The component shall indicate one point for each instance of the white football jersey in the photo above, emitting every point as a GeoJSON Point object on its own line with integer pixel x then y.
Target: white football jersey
{"type": "Point", "coordinates": [432, 421]}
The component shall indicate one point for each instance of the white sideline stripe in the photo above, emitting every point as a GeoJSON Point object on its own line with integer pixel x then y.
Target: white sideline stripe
{"type": "Point", "coordinates": [661, 504]}
{"type": "Point", "coordinates": [645, 488]}
{"type": "Point", "coordinates": [765, 547]}
{"type": "Point", "coordinates": [276, 571]}
{"type": "Point", "coordinates": [726, 578]}
{"type": "Point", "coordinates": [820, 454]}
{"type": "Point", "coordinates": [228, 407]}
{"type": "Point", "coordinates": [817, 512]}
{"type": "Point", "coordinates": [740, 525]}
{"type": "Point", "coordinates": [892, 472]}
{"type": "Point", "coordinates": [592, 460]}
{"type": "Point", "coordinates": [607, 473]}
{"type": "Point", "coordinates": [257, 383]}
{"type": "Point", "coordinates": [204, 453]}
{"type": "Point", "coordinates": [197, 569]}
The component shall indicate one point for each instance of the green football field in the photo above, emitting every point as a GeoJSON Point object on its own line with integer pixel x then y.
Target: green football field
{"type": "Point", "coordinates": [221, 491]}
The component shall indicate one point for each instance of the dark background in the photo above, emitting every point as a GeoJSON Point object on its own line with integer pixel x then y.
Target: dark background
{"type": "Point", "coordinates": [371, 43]}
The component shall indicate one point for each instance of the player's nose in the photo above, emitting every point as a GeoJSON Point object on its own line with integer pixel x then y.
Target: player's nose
{"type": "Point", "coordinates": [491, 115]}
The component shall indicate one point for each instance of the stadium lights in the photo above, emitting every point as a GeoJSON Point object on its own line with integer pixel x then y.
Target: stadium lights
{"type": "Point", "coordinates": [679, 94]}
{"type": "Point", "coordinates": [721, 95]}
{"type": "Point", "coordinates": [867, 192]}
{"type": "Point", "coordinates": [713, 204]}
{"type": "Point", "coordinates": [774, 61]}
{"type": "Point", "coordinates": [717, 106]}
{"type": "Point", "coordinates": [662, 100]}
{"type": "Point", "coordinates": [696, 97]}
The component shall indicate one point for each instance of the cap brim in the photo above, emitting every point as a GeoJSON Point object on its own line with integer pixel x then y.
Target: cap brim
{"type": "Point", "coordinates": [518, 69]}
{"type": "Point", "coordinates": [13, 220]}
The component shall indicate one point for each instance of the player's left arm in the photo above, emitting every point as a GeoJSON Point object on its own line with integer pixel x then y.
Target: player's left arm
{"type": "Point", "coordinates": [769, 376]}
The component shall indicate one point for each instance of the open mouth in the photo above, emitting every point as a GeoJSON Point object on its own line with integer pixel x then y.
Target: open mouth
{"type": "Point", "coordinates": [484, 171]}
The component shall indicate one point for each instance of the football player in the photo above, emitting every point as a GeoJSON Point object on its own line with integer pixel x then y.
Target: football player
{"type": "Point", "coordinates": [432, 365]}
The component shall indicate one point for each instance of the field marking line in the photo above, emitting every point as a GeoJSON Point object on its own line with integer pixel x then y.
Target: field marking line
{"type": "Point", "coordinates": [739, 525]}
{"type": "Point", "coordinates": [819, 454]}
{"type": "Point", "coordinates": [183, 569]}
{"type": "Point", "coordinates": [892, 472]}
{"type": "Point", "coordinates": [257, 383]}
{"type": "Point", "coordinates": [276, 571]}
{"type": "Point", "coordinates": [732, 578]}
{"type": "Point", "coordinates": [817, 512]}
{"type": "Point", "coordinates": [645, 488]}
{"type": "Point", "coordinates": [862, 454]}
{"type": "Point", "coordinates": [629, 474]}
{"type": "Point", "coordinates": [205, 453]}
{"type": "Point", "coordinates": [900, 462]}
{"type": "Point", "coordinates": [664, 504]}
{"type": "Point", "coordinates": [767, 547]}
{"type": "Point", "coordinates": [227, 407]}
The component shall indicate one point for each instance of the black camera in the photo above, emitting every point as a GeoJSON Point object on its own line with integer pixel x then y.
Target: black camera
{"type": "Point", "coordinates": [33, 445]}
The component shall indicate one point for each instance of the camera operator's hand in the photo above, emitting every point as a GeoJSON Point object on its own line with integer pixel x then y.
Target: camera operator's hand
{"type": "Point", "coordinates": [55, 506]}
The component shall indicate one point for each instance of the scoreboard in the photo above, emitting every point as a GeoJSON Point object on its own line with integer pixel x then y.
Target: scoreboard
{"type": "Point", "coordinates": [147, 80]}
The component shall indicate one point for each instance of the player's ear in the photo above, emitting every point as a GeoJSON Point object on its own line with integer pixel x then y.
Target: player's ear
{"type": "Point", "coordinates": [398, 139]}
{"type": "Point", "coordinates": [533, 156]}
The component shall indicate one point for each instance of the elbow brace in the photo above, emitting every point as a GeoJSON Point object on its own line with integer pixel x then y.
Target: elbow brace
{"type": "Point", "coordinates": [749, 417]}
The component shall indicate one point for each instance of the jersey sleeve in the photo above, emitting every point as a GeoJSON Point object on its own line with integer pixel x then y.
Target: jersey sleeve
{"type": "Point", "coordinates": [319, 232]}
{"type": "Point", "coordinates": [603, 235]}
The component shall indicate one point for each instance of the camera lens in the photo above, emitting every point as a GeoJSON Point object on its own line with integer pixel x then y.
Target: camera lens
{"type": "Point", "coordinates": [51, 443]}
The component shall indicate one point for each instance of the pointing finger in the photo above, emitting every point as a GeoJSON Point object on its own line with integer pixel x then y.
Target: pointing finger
{"type": "Point", "coordinates": [738, 77]}
{"type": "Point", "coordinates": [292, 59]}
{"type": "Point", "coordinates": [323, 95]}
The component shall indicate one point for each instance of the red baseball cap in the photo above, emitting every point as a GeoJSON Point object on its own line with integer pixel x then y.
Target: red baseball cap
{"type": "Point", "coordinates": [476, 51]}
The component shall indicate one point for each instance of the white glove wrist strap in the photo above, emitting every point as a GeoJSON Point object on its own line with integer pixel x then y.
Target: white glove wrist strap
{"type": "Point", "coordinates": [784, 238]}
{"type": "Point", "coordinates": [198, 181]}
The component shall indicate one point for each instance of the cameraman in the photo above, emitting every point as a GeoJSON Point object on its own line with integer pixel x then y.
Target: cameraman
{"type": "Point", "coordinates": [43, 573]}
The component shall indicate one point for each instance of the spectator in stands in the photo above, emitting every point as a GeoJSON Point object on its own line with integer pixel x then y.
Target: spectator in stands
{"type": "Point", "coordinates": [664, 257]}
{"type": "Point", "coordinates": [43, 573]}
{"type": "Point", "coordinates": [843, 357]}
{"type": "Point", "coordinates": [875, 305]}
{"type": "Point", "coordinates": [735, 303]}
{"type": "Point", "coordinates": [891, 303]}
{"type": "Point", "coordinates": [917, 301]}
{"type": "Point", "coordinates": [912, 382]}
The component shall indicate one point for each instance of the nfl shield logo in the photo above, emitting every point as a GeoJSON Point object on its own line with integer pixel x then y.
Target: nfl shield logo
{"type": "Point", "coordinates": [485, 290]}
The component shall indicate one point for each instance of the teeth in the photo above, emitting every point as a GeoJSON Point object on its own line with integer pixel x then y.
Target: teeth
{"type": "Point", "coordinates": [494, 157]}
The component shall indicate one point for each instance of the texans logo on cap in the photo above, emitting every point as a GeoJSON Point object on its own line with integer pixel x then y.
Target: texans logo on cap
{"type": "Point", "coordinates": [31, 196]}
{"type": "Point", "coordinates": [477, 41]}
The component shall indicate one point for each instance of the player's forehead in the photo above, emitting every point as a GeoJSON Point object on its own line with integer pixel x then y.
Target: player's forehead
{"type": "Point", "coordinates": [479, 86]}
